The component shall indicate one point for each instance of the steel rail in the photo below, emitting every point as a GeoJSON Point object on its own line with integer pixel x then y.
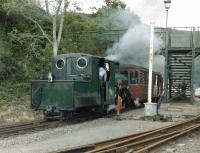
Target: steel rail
{"type": "Point", "coordinates": [20, 124]}
{"type": "Point", "coordinates": [139, 145]}
{"type": "Point", "coordinates": [99, 144]}
{"type": "Point", "coordinates": [9, 130]}
{"type": "Point", "coordinates": [113, 143]}
{"type": "Point", "coordinates": [150, 147]}
{"type": "Point", "coordinates": [21, 128]}
{"type": "Point", "coordinates": [145, 135]}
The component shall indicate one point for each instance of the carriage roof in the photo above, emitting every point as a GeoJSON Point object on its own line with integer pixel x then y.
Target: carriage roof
{"type": "Point", "coordinates": [133, 66]}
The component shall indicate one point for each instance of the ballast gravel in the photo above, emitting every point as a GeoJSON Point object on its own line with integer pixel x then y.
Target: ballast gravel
{"type": "Point", "coordinates": [101, 129]}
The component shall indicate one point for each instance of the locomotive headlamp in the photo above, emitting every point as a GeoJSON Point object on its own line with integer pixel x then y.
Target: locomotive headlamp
{"type": "Point", "coordinates": [81, 62]}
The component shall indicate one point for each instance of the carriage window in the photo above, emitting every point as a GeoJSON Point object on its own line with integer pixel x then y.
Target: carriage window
{"type": "Point", "coordinates": [146, 77]}
{"type": "Point", "coordinates": [134, 77]}
{"type": "Point", "coordinates": [142, 77]}
{"type": "Point", "coordinates": [81, 63]}
{"type": "Point", "coordinates": [60, 63]}
{"type": "Point", "coordinates": [136, 74]}
{"type": "Point", "coordinates": [124, 73]}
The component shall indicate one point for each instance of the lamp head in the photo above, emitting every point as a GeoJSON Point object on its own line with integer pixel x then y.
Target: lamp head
{"type": "Point", "coordinates": [167, 4]}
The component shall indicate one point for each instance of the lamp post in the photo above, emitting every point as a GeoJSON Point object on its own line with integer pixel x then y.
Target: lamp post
{"type": "Point", "coordinates": [167, 6]}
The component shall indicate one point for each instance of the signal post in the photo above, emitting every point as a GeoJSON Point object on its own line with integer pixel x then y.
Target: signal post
{"type": "Point", "coordinates": [150, 107]}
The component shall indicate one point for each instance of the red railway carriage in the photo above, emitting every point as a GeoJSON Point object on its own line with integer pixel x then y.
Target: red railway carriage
{"type": "Point", "coordinates": [137, 77]}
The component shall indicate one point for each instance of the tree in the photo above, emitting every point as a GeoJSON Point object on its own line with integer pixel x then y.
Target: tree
{"type": "Point", "coordinates": [115, 4]}
{"type": "Point", "coordinates": [57, 32]}
{"type": "Point", "coordinates": [54, 11]}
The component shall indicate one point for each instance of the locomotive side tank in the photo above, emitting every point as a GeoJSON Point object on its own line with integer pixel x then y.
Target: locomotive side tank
{"type": "Point", "coordinates": [74, 84]}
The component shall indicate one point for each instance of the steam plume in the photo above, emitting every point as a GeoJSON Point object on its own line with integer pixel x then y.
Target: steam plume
{"type": "Point", "coordinates": [133, 46]}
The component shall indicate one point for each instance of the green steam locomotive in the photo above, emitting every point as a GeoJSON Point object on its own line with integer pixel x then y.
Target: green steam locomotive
{"type": "Point", "coordinates": [76, 82]}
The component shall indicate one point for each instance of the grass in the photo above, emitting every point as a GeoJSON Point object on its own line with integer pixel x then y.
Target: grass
{"type": "Point", "coordinates": [15, 103]}
{"type": "Point", "coordinates": [12, 91]}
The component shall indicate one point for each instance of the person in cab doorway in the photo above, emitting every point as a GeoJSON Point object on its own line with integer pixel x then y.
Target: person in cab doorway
{"type": "Point", "coordinates": [102, 75]}
{"type": "Point", "coordinates": [102, 79]}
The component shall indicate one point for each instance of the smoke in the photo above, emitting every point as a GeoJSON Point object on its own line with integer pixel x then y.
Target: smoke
{"type": "Point", "coordinates": [159, 63]}
{"type": "Point", "coordinates": [149, 10]}
{"type": "Point", "coordinates": [133, 46]}
{"type": "Point", "coordinates": [118, 19]}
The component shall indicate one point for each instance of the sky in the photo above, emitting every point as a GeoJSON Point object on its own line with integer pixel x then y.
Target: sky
{"type": "Point", "coordinates": [182, 13]}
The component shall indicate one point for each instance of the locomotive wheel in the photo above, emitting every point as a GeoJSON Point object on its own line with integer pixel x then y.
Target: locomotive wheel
{"type": "Point", "coordinates": [62, 116]}
{"type": "Point", "coordinates": [66, 115]}
{"type": "Point", "coordinates": [47, 116]}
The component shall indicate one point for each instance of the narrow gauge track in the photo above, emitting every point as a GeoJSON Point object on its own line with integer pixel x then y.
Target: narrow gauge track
{"type": "Point", "coordinates": [141, 142]}
{"type": "Point", "coordinates": [23, 128]}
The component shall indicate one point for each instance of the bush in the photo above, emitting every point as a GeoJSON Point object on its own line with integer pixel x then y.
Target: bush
{"type": "Point", "coordinates": [12, 90]}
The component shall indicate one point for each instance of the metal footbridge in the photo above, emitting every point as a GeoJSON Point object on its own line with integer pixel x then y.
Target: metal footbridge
{"type": "Point", "coordinates": [181, 51]}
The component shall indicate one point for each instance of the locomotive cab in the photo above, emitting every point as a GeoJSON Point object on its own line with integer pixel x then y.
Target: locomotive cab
{"type": "Point", "coordinates": [74, 85]}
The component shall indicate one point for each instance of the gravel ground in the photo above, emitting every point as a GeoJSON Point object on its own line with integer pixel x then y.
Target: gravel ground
{"type": "Point", "coordinates": [186, 144]}
{"type": "Point", "coordinates": [105, 128]}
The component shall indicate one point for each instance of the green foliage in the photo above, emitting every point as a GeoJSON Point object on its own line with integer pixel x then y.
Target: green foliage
{"type": "Point", "coordinates": [27, 51]}
{"type": "Point", "coordinates": [82, 33]}
{"type": "Point", "coordinates": [10, 68]}
{"type": "Point", "coordinates": [2, 40]}
{"type": "Point", "coordinates": [115, 4]}
{"type": "Point", "coordinates": [2, 3]}
{"type": "Point", "coordinates": [26, 54]}
{"type": "Point", "coordinates": [11, 90]}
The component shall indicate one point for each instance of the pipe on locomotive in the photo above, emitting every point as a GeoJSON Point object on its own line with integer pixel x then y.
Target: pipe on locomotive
{"type": "Point", "coordinates": [50, 77]}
